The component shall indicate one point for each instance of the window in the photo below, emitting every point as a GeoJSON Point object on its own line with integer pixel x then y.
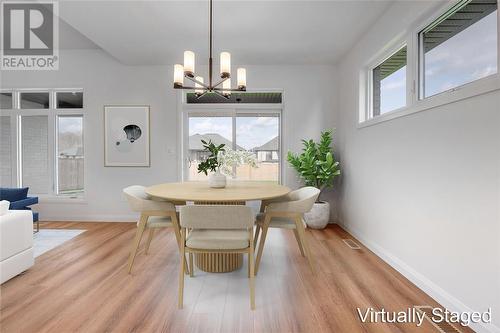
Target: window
{"type": "Point", "coordinates": [5, 152]}
{"type": "Point", "coordinates": [218, 129]}
{"type": "Point", "coordinates": [256, 132]}
{"type": "Point", "coordinates": [35, 153]}
{"type": "Point", "coordinates": [459, 47]}
{"type": "Point", "coordinates": [69, 100]}
{"type": "Point", "coordinates": [41, 144]}
{"type": "Point", "coordinates": [450, 56]}
{"type": "Point", "coordinates": [237, 98]}
{"type": "Point", "coordinates": [389, 84]}
{"type": "Point", "coordinates": [34, 100]}
{"type": "Point", "coordinates": [260, 135]}
{"type": "Point", "coordinates": [6, 101]}
{"type": "Point", "coordinates": [70, 158]}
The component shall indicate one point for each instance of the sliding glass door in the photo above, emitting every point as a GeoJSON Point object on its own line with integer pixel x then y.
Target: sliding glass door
{"type": "Point", "coordinates": [215, 128]}
{"type": "Point", "coordinates": [260, 134]}
{"type": "Point", "coordinates": [255, 131]}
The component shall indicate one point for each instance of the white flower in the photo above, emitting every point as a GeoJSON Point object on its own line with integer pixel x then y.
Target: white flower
{"type": "Point", "coordinates": [234, 158]}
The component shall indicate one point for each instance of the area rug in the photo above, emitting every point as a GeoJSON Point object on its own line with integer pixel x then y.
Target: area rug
{"type": "Point", "coordinates": [48, 239]}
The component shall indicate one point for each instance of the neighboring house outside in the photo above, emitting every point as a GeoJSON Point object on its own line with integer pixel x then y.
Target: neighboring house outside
{"type": "Point", "coordinates": [268, 152]}
{"type": "Point", "coordinates": [196, 150]}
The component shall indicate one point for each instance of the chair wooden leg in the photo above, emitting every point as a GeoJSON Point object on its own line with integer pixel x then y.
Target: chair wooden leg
{"type": "Point", "coordinates": [297, 237]}
{"type": "Point", "coordinates": [251, 268]}
{"type": "Point", "coordinates": [248, 267]}
{"type": "Point", "coordinates": [191, 265]}
{"type": "Point", "coordinates": [137, 241]}
{"type": "Point", "coordinates": [181, 272]}
{"type": "Point", "coordinates": [256, 237]}
{"type": "Point", "coordinates": [150, 238]}
{"type": "Point", "coordinates": [261, 248]}
{"type": "Point", "coordinates": [177, 233]}
{"type": "Point", "coordinates": [302, 235]}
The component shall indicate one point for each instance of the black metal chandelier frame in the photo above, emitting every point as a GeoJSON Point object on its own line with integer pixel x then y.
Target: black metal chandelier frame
{"type": "Point", "coordinates": [210, 87]}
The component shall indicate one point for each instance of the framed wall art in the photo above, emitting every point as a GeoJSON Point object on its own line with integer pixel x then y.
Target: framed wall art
{"type": "Point", "coordinates": [126, 136]}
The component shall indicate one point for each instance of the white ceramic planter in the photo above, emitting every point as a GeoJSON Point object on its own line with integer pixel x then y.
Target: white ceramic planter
{"type": "Point", "coordinates": [217, 180]}
{"type": "Point", "coordinates": [319, 216]}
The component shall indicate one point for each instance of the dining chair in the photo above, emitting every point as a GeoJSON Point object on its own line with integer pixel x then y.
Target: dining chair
{"type": "Point", "coordinates": [155, 213]}
{"type": "Point", "coordinates": [216, 229]}
{"type": "Point", "coordinates": [287, 213]}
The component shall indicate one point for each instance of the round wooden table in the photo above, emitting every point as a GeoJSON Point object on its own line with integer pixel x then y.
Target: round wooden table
{"type": "Point", "coordinates": [235, 193]}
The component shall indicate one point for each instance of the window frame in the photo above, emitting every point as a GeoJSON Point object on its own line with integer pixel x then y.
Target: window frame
{"type": "Point", "coordinates": [444, 11]}
{"type": "Point", "coordinates": [228, 110]}
{"type": "Point", "coordinates": [52, 114]}
{"type": "Point", "coordinates": [388, 52]}
{"type": "Point", "coordinates": [413, 103]}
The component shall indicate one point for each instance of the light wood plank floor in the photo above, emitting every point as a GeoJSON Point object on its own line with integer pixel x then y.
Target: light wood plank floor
{"type": "Point", "coordinates": [83, 286]}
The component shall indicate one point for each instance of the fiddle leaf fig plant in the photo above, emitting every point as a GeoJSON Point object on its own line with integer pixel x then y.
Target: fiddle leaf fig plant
{"type": "Point", "coordinates": [212, 162]}
{"type": "Point", "coordinates": [316, 164]}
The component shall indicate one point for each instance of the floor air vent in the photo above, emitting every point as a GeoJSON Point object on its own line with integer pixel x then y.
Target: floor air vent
{"type": "Point", "coordinates": [443, 327]}
{"type": "Point", "coordinates": [352, 244]}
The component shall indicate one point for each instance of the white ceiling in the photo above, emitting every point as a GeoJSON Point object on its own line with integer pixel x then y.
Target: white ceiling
{"type": "Point", "coordinates": [255, 32]}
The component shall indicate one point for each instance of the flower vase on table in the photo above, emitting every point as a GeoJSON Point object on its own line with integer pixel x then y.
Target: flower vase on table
{"type": "Point", "coordinates": [217, 180]}
{"type": "Point", "coordinates": [221, 162]}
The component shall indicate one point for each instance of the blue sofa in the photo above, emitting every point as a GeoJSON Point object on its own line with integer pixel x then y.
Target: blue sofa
{"type": "Point", "coordinates": [19, 200]}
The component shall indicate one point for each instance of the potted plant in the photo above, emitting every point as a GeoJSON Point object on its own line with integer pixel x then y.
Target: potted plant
{"type": "Point", "coordinates": [317, 167]}
{"type": "Point", "coordinates": [221, 162]}
{"type": "Point", "coordinates": [216, 179]}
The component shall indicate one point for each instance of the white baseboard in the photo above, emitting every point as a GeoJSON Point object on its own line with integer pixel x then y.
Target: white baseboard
{"type": "Point", "coordinates": [429, 287]}
{"type": "Point", "coordinates": [91, 218]}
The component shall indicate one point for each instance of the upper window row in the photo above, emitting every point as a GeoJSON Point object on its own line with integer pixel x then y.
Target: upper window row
{"type": "Point", "coordinates": [457, 48]}
{"type": "Point", "coordinates": [41, 100]}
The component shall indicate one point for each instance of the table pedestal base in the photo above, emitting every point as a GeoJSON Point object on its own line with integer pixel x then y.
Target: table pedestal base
{"type": "Point", "coordinates": [218, 262]}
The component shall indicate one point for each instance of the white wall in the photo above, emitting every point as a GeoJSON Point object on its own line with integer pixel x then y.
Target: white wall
{"type": "Point", "coordinates": [309, 100]}
{"type": "Point", "coordinates": [422, 191]}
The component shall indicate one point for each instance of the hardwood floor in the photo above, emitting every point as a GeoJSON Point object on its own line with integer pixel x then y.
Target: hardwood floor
{"type": "Point", "coordinates": [83, 286]}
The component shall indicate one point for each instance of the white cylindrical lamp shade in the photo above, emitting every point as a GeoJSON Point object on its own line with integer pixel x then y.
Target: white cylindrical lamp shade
{"type": "Point", "coordinates": [225, 64]}
{"type": "Point", "coordinates": [197, 85]}
{"type": "Point", "coordinates": [242, 78]}
{"type": "Point", "coordinates": [178, 75]}
{"type": "Point", "coordinates": [189, 63]}
{"type": "Point", "coordinates": [226, 85]}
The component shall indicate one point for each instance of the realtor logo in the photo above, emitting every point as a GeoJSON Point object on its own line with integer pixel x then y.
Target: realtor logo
{"type": "Point", "coordinates": [29, 35]}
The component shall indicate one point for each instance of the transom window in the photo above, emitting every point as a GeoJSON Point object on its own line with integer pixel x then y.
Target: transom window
{"type": "Point", "coordinates": [389, 84]}
{"type": "Point", "coordinates": [42, 143]}
{"type": "Point", "coordinates": [450, 56]}
{"type": "Point", "coordinates": [459, 47]}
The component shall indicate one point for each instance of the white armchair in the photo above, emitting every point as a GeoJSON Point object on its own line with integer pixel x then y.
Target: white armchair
{"type": "Point", "coordinates": [154, 214]}
{"type": "Point", "coordinates": [287, 214]}
{"type": "Point", "coordinates": [216, 229]}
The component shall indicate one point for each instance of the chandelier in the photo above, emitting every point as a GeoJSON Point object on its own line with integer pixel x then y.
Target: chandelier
{"type": "Point", "coordinates": [221, 87]}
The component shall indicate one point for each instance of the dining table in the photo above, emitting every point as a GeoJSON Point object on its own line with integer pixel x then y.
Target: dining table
{"type": "Point", "coordinates": [200, 193]}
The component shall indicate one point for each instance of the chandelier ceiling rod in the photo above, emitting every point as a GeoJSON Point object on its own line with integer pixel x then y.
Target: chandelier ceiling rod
{"type": "Point", "coordinates": [210, 45]}
{"type": "Point", "coordinates": [201, 88]}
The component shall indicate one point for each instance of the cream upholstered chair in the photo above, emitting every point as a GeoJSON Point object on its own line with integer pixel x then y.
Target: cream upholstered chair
{"type": "Point", "coordinates": [217, 229]}
{"type": "Point", "coordinates": [154, 214]}
{"type": "Point", "coordinates": [288, 213]}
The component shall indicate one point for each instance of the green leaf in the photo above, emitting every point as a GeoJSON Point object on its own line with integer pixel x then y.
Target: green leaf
{"type": "Point", "coordinates": [316, 164]}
